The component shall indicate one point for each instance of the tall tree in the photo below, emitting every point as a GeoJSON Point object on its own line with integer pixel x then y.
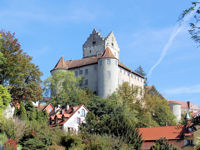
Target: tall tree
{"type": "Point", "coordinates": [64, 88]}
{"type": "Point", "coordinates": [17, 71]}
{"type": "Point", "coordinates": [142, 73]}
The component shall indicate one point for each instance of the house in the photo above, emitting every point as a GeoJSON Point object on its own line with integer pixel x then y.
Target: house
{"type": "Point", "coordinates": [179, 135]}
{"type": "Point", "coordinates": [100, 66]}
{"type": "Point", "coordinates": [69, 118]}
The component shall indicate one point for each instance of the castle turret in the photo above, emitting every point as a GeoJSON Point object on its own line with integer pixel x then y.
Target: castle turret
{"type": "Point", "coordinates": [107, 73]}
{"type": "Point", "coordinates": [176, 110]}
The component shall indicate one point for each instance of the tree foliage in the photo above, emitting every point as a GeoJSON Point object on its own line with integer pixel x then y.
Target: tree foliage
{"type": "Point", "coordinates": [162, 144]}
{"type": "Point", "coordinates": [194, 23]}
{"type": "Point", "coordinates": [17, 71]}
{"type": "Point", "coordinates": [5, 98]}
{"type": "Point", "coordinates": [64, 88]}
{"type": "Point", "coordinates": [142, 73]}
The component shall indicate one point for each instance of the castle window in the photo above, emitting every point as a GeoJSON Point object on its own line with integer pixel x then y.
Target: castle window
{"type": "Point", "coordinates": [76, 73]}
{"type": "Point", "coordinates": [86, 71]}
{"type": "Point", "coordinates": [109, 74]}
{"type": "Point", "coordinates": [108, 61]}
{"type": "Point", "coordinates": [116, 62]}
{"type": "Point", "coordinates": [121, 70]}
{"type": "Point", "coordinates": [124, 71]}
{"type": "Point", "coordinates": [90, 51]}
{"type": "Point", "coordinates": [112, 44]}
{"type": "Point", "coordinates": [86, 82]}
{"type": "Point", "coordinates": [100, 62]}
{"type": "Point", "coordinates": [81, 72]}
{"type": "Point", "coordinates": [131, 75]}
{"type": "Point", "coordinates": [95, 67]}
{"type": "Point", "coordinates": [94, 42]}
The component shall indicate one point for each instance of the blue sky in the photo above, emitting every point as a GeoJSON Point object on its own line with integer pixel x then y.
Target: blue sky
{"type": "Point", "coordinates": [49, 29]}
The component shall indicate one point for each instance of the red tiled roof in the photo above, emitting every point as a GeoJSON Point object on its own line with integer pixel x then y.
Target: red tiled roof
{"type": "Point", "coordinates": [155, 133]}
{"type": "Point", "coordinates": [70, 64]}
{"type": "Point", "coordinates": [108, 54]}
{"type": "Point", "coordinates": [184, 104]}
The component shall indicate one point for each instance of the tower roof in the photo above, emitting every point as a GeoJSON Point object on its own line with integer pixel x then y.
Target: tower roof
{"type": "Point", "coordinates": [61, 64]}
{"type": "Point", "coordinates": [108, 54]}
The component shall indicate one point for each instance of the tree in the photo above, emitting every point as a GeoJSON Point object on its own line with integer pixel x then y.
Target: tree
{"type": "Point", "coordinates": [5, 98]}
{"type": "Point", "coordinates": [160, 110]}
{"type": "Point", "coordinates": [23, 115]}
{"type": "Point", "coordinates": [194, 24]}
{"type": "Point", "coordinates": [140, 71]}
{"type": "Point", "coordinates": [17, 71]}
{"type": "Point", "coordinates": [162, 144]}
{"type": "Point", "coordinates": [65, 89]}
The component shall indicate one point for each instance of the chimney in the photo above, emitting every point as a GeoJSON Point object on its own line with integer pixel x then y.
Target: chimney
{"type": "Point", "coordinates": [188, 105]}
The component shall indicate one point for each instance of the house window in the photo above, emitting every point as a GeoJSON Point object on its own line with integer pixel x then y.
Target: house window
{"type": "Point", "coordinates": [79, 120]}
{"type": "Point", "coordinates": [76, 73]}
{"type": "Point", "coordinates": [109, 74]}
{"type": "Point", "coordinates": [86, 71]}
{"type": "Point", "coordinates": [50, 109]}
{"type": "Point", "coordinates": [108, 61]}
{"type": "Point", "coordinates": [82, 113]}
{"type": "Point", "coordinates": [86, 82]}
{"type": "Point", "coordinates": [188, 142]}
{"type": "Point", "coordinates": [81, 72]}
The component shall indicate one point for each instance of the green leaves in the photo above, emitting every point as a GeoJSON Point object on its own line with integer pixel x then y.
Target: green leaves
{"type": "Point", "coordinates": [17, 71]}
{"type": "Point", "coordinates": [5, 98]}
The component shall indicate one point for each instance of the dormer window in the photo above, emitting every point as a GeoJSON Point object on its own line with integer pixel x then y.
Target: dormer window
{"type": "Point", "coordinates": [94, 42]}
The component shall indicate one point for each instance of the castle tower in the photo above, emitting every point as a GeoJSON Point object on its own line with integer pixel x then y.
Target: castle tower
{"type": "Point", "coordinates": [111, 42]}
{"type": "Point", "coordinates": [176, 110]}
{"type": "Point", "coordinates": [107, 73]}
{"type": "Point", "coordinates": [95, 45]}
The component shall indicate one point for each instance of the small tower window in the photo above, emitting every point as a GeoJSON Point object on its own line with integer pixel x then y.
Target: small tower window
{"type": "Point", "coordinates": [112, 44]}
{"type": "Point", "coordinates": [94, 42]}
{"type": "Point", "coordinates": [116, 62]}
{"type": "Point", "coordinates": [90, 51]}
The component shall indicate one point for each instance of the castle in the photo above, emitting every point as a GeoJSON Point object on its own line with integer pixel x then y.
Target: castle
{"type": "Point", "coordinates": [100, 67]}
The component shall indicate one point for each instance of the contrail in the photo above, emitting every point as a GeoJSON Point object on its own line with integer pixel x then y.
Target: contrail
{"type": "Point", "coordinates": [178, 27]}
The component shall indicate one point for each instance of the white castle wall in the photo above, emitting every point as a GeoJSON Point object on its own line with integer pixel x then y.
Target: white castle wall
{"type": "Point", "coordinates": [132, 79]}
{"type": "Point", "coordinates": [107, 76]}
{"type": "Point", "coordinates": [91, 77]}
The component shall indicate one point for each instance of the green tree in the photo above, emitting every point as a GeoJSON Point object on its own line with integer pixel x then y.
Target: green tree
{"type": "Point", "coordinates": [160, 110]}
{"type": "Point", "coordinates": [5, 98]}
{"type": "Point", "coordinates": [30, 111]}
{"type": "Point", "coordinates": [140, 71]}
{"type": "Point", "coordinates": [17, 71]}
{"type": "Point", "coordinates": [64, 88]}
{"type": "Point", "coordinates": [23, 114]}
{"type": "Point", "coordinates": [162, 144]}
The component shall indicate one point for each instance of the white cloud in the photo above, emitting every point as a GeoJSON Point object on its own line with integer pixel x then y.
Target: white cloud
{"type": "Point", "coordinates": [183, 90]}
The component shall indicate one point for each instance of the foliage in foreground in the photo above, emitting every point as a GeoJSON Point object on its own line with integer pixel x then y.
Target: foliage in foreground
{"type": "Point", "coordinates": [162, 144]}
